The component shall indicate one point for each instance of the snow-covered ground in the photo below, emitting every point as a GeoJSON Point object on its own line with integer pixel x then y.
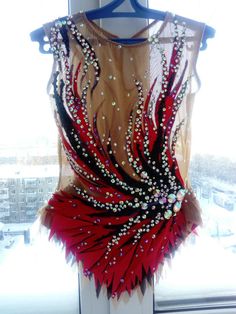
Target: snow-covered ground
{"type": "Point", "coordinates": [205, 265]}
{"type": "Point", "coordinates": [35, 278]}
{"type": "Point", "coordinates": [204, 269]}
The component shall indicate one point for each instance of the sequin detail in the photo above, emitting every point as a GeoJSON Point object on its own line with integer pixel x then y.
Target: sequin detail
{"type": "Point", "coordinates": [116, 222]}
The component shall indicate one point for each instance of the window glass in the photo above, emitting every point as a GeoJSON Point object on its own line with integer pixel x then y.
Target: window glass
{"type": "Point", "coordinates": [203, 269]}
{"type": "Point", "coordinates": [34, 277]}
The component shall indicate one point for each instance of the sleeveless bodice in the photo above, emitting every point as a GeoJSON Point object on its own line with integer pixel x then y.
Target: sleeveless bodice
{"type": "Point", "coordinates": [123, 112]}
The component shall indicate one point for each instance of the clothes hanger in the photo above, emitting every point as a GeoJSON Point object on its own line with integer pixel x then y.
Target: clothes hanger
{"type": "Point", "coordinates": [140, 11]}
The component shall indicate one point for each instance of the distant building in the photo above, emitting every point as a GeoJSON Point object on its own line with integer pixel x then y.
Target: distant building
{"type": "Point", "coordinates": [24, 189]}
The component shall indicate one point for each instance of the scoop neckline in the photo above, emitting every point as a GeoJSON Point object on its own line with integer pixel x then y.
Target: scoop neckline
{"type": "Point", "coordinates": [106, 35]}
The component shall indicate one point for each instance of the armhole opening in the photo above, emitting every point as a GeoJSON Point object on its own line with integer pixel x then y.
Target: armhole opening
{"type": "Point", "coordinates": [196, 81]}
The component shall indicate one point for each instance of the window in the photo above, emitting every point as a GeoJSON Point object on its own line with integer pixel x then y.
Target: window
{"type": "Point", "coordinates": [34, 271]}
{"type": "Point", "coordinates": [201, 275]}
{"type": "Point", "coordinates": [4, 193]}
{"type": "Point", "coordinates": [3, 183]}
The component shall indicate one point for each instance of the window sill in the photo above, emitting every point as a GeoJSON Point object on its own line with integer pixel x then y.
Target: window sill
{"type": "Point", "coordinates": [211, 305]}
